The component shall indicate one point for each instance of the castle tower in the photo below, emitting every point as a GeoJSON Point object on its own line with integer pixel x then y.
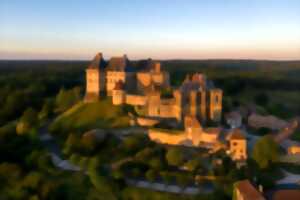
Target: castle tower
{"type": "Point", "coordinates": [237, 145]}
{"type": "Point", "coordinates": [118, 94]}
{"type": "Point", "coordinates": [202, 106]}
{"type": "Point", "coordinates": [153, 104]}
{"type": "Point", "coordinates": [215, 104]}
{"type": "Point", "coordinates": [178, 104]}
{"type": "Point", "coordinates": [94, 79]}
{"type": "Point", "coordinates": [193, 103]}
{"type": "Point", "coordinates": [157, 67]}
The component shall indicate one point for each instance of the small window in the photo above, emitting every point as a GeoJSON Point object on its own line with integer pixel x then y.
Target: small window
{"type": "Point", "coordinates": [217, 99]}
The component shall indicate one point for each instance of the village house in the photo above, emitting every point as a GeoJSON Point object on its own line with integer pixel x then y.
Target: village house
{"type": "Point", "coordinates": [237, 145]}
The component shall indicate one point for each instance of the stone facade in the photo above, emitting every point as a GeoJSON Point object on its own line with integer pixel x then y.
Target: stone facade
{"type": "Point", "coordinates": [143, 86]}
{"type": "Point", "coordinates": [237, 145]}
{"type": "Point", "coordinates": [193, 135]}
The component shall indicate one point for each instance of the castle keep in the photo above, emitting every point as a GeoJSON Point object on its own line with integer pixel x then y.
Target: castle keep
{"type": "Point", "coordinates": [144, 84]}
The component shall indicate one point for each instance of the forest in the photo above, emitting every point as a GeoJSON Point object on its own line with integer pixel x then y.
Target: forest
{"type": "Point", "coordinates": [34, 92]}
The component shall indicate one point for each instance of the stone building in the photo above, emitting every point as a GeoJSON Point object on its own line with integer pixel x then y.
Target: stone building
{"type": "Point", "coordinates": [237, 145]}
{"type": "Point", "coordinates": [141, 84]}
{"type": "Point", "coordinates": [95, 78]}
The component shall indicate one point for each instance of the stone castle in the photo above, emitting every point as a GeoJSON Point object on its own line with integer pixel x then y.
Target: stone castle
{"type": "Point", "coordinates": [146, 86]}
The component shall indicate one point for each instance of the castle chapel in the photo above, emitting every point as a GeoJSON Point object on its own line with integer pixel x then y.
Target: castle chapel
{"type": "Point", "coordinates": [142, 84]}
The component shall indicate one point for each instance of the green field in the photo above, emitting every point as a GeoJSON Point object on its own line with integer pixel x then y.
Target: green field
{"type": "Point", "coordinates": [85, 116]}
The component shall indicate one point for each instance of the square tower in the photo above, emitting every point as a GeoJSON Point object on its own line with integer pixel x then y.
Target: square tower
{"type": "Point", "coordinates": [94, 79]}
{"type": "Point", "coordinates": [215, 105]}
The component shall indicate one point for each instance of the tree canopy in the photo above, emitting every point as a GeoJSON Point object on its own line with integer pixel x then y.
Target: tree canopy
{"type": "Point", "coordinates": [265, 151]}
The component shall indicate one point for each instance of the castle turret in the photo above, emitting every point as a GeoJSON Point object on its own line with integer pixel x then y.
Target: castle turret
{"type": "Point", "coordinates": [95, 79]}
{"type": "Point", "coordinates": [202, 106]}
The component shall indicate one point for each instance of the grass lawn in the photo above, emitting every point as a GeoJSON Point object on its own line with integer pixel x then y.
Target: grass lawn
{"type": "Point", "coordinates": [85, 116]}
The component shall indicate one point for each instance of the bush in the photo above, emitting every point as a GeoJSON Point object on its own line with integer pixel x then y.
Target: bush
{"type": "Point", "coordinates": [151, 175]}
{"type": "Point", "coordinates": [265, 152]}
{"type": "Point", "coordinates": [174, 156]}
{"type": "Point", "coordinates": [261, 99]}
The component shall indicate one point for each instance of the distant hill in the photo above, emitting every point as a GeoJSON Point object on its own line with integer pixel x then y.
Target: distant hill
{"type": "Point", "coordinates": [177, 64]}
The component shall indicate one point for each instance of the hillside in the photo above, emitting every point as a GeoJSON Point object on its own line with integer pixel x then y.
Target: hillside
{"type": "Point", "coordinates": [83, 116]}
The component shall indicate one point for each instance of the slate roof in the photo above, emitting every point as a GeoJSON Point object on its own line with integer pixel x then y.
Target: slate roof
{"type": "Point", "coordinates": [248, 190]}
{"type": "Point", "coordinates": [237, 134]}
{"type": "Point", "coordinates": [120, 64]}
{"type": "Point", "coordinates": [98, 62]}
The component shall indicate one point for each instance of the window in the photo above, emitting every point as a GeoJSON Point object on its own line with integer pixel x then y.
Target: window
{"type": "Point", "coordinates": [217, 99]}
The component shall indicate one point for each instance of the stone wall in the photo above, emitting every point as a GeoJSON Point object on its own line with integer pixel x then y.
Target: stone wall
{"type": "Point", "coordinates": [136, 100]}
{"type": "Point", "coordinates": [112, 77]}
{"type": "Point", "coordinates": [142, 121]}
{"type": "Point", "coordinates": [168, 136]}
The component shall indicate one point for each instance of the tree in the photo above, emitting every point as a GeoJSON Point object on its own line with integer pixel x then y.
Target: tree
{"type": "Point", "coordinates": [102, 184]}
{"type": "Point", "coordinates": [261, 99]}
{"type": "Point", "coordinates": [174, 156]}
{"type": "Point", "coordinates": [65, 99]}
{"type": "Point", "coordinates": [156, 163]}
{"type": "Point", "coordinates": [151, 175]}
{"type": "Point", "coordinates": [265, 151]}
{"type": "Point", "coordinates": [47, 109]}
{"type": "Point", "coordinates": [28, 121]}
{"type": "Point", "coordinates": [193, 164]}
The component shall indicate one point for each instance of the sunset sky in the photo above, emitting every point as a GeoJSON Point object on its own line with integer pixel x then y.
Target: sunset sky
{"type": "Point", "coordinates": [161, 29]}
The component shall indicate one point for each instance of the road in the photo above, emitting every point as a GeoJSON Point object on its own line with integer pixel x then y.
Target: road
{"type": "Point", "coordinates": [62, 164]}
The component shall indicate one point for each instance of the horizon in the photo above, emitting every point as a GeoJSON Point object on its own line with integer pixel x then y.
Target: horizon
{"type": "Point", "coordinates": [162, 30]}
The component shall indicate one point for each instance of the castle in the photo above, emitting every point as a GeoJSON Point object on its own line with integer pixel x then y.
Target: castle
{"type": "Point", "coordinates": [146, 86]}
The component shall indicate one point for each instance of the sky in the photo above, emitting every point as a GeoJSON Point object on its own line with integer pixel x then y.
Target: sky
{"type": "Point", "coordinates": [160, 29]}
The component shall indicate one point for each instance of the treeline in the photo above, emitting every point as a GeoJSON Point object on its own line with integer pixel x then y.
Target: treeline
{"type": "Point", "coordinates": [32, 83]}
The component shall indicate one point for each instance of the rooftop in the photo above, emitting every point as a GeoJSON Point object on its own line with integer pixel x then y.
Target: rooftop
{"type": "Point", "coordinates": [119, 64]}
{"type": "Point", "coordinates": [236, 134]}
{"type": "Point", "coordinates": [98, 62]}
{"type": "Point", "coordinates": [248, 191]}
